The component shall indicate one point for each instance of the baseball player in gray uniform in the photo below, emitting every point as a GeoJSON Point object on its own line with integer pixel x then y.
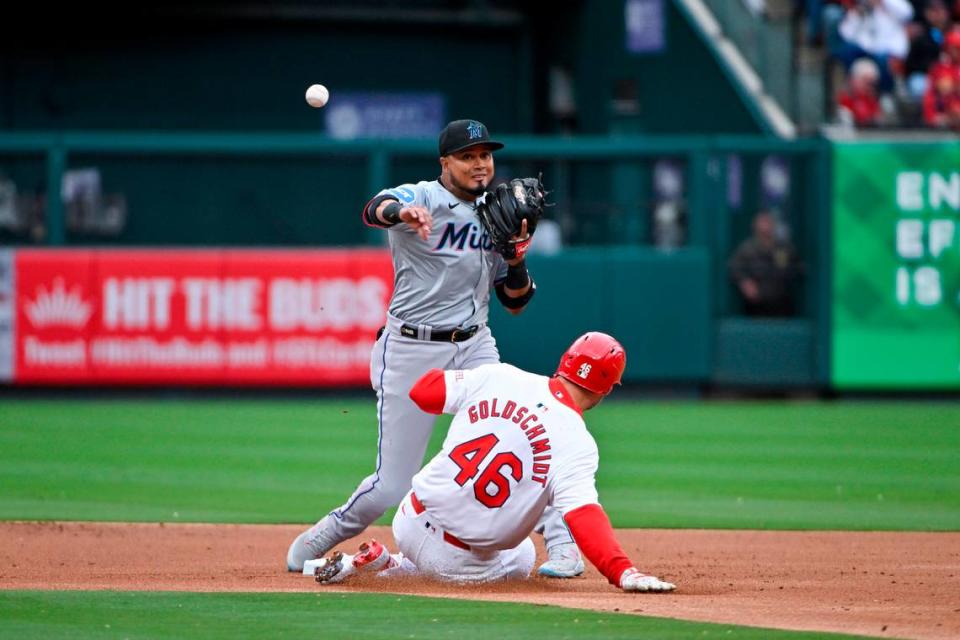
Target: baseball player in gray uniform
{"type": "Point", "coordinates": [444, 271]}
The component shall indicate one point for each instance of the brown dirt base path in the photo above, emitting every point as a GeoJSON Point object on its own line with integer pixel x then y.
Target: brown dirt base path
{"type": "Point", "coordinates": [904, 585]}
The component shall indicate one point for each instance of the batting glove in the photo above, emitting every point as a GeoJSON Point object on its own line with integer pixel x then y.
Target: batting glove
{"type": "Point", "coordinates": [633, 580]}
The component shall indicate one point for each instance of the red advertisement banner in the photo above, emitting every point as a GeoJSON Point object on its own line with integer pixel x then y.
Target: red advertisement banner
{"type": "Point", "coordinates": [208, 317]}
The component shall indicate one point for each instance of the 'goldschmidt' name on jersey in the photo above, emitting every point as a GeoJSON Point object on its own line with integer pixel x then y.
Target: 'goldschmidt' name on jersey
{"type": "Point", "coordinates": [528, 423]}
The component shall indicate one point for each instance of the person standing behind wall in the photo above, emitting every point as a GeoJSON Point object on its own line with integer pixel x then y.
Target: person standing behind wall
{"type": "Point", "coordinates": [764, 268]}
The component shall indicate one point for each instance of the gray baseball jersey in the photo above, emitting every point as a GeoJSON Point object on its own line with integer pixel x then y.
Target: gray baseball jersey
{"type": "Point", "coordinates": [443, 282]}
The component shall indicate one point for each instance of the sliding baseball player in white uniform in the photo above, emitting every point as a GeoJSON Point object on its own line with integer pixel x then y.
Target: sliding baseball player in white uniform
{"type": "Point", "coordinates": [517, 445]}
{"type": "Point", "coordinates": [445, 268]}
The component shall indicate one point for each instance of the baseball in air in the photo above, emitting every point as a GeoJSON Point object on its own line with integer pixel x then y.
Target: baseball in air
{"type": "Point", "coordinates": [317, 95]}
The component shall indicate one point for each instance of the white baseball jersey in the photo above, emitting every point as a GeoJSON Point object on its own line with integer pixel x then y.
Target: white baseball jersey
{"type": "Point", "coordinates": [444, 282]}
{"type": "Point", "coordinates": [516, 445]}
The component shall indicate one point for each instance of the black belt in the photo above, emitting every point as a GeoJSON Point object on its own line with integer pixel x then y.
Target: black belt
{"type": "Point", "coordinates": [453, 335]}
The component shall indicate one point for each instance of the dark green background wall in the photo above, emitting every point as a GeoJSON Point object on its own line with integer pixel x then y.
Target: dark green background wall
{"type": "Point", "coordinates": [681, 90]}
{"type": "Point", "coordinates": [153, 69]}
{"type": "Point", "coordinates": [656, 304]}
{"type": "Point", "coordinates": [242, 76]}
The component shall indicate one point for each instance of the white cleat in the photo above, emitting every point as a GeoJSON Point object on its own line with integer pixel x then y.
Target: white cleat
{"type": "Point", "coordinates": [563, 561]}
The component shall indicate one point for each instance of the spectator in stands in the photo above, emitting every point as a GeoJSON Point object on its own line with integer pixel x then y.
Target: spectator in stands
{"type": "Point", "coordinates": [822, 18]}
{"type": "Point", "coordinates": [950, 58]}
{"type": "Point", "coordinates": [926, 46]}
{"type": "Point", "coordinates": [941, 103]}
{"type": "Point", "coordinates": [831, 15]}
{"type": "Point", "coordinates": [875, 28]}
{"type": "Point", "coordinates": [764, 269]}
{"type": "Point", "coordinates": [953, 8]}
{"type": "Point", "coordinates": [858, 105]}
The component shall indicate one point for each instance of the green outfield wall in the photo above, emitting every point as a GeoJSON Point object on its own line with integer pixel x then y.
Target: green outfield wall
{"type": "Point", "coordinates": [658, 306]}
{"type": "Point", "coordinates": [896, 275]}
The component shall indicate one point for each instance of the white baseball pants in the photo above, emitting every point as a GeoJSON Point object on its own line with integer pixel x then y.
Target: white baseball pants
{"type": "Point", "coordinates": [425, 545]}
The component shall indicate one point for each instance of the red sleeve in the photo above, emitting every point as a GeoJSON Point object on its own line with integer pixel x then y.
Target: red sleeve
{"type": "Point", "coordinates": [593, 533]}
{"type": "Point", "coordinates": [430, 392]}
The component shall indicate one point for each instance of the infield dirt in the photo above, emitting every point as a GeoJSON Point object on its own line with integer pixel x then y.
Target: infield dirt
{"type": "Point", "coordinates": [885, 584]}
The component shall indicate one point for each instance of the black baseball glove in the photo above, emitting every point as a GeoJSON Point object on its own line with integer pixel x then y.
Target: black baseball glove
{"type": "Point", "coordinates": [504, 209]}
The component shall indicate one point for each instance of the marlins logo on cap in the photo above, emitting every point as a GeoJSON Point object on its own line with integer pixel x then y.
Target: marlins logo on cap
{"type": "Point", "coordinates": [460, 134]}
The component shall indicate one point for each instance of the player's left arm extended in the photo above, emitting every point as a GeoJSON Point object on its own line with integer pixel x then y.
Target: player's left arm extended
{"type": "Point", "coordinates": [593, 533]}
{"type": "Point", "coordinates": [516, 290]}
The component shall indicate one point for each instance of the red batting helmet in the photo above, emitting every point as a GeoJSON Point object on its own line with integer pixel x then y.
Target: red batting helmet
{"type": "Point", "coordinates": [595, 361]}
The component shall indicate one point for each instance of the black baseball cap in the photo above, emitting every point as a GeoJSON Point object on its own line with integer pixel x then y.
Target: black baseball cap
{"type": "Point", "coordinates": [460, 134]}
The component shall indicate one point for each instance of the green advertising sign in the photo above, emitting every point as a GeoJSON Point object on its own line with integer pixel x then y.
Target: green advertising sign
{"type": "Point", "coordinates": [896, 265]}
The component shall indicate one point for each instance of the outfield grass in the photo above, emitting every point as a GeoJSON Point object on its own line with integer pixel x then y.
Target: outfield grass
{"type": "Point", "coordinates": [727, 465]}
{"type": "Point", "coordinates": [860, 466]}
{"type": "Point", "coordinates": [81, 615]}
